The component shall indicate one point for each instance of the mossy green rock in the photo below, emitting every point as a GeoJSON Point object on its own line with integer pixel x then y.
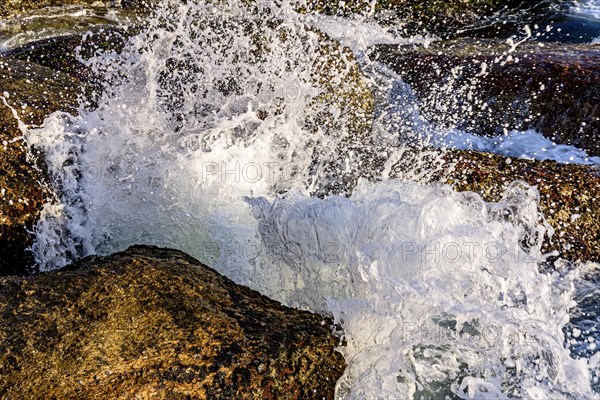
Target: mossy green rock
{"type": "Point", "coordinates": [156, 323]}
{"type": "Point", "coordinates": [489, 87]}
{"type": "Point", "coordinates": [33, 92]}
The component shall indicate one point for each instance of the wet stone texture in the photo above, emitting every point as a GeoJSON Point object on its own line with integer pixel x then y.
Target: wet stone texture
{"type": "Point", "coordinates": [569, 194]}
{"type": "Point", "coordinates": [152, 322]}
{"type": "Point", "coordinates": [33, 92]}
{"type": "Point", "coordinates": [490, 87]}
{"type": "Point", "coordinates": [443, 17]}
{"type": "Point", "coordinates": [65, 53]}
{"type": "Point", "coordinates": [11, 7]}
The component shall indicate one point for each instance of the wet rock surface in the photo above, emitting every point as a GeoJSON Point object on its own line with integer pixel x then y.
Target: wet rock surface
{"type": "Point", "coordinates": [33, 92]}
{"type": "Point", "coordinates": [569, 194]}
{"type": "Point", "coordinates": [155, 322]}
{"type": "Point", "coordinates": [66, 53]}
{"type": "Point", "coordinates": [442, 17]}
{"type": "Point", "coordinates": [11, 7]}
{"type": "Point", "coordinates": [488, 87]}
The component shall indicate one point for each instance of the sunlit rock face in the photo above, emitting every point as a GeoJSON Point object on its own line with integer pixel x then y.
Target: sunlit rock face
{"type": "Point", "coordinates": [154, 322]}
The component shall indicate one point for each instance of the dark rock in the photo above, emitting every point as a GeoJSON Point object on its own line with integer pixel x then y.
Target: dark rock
{"type": "Point", "coordinates": [33, 92]}
{"type": "Point", "coordinates": [11, 7]}
{"type": "Point", "coordinates": [443, 17]}
{"type": "Point", "coordinates": [486, 88]}
{"type": "Point", "coordinates": [156, 322]}
{"type": "Point", "coordinates": [65, 53]}
{"type": "Point", "coordinates": [569, 194]}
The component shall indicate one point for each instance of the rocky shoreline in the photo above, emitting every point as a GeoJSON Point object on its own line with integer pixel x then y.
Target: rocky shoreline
{"type": "Point", "coordinates": [155, 322]}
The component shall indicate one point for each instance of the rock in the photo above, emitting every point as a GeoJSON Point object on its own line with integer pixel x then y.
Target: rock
{"type": "Point", "coordinates": [443, 17]}
{"type": "Point", "coordinates": [34, 92]}
{"type": "Point", "coordinates": [64, 54]}
{"type": "Point", "coordinates": [346, 92]}
{"type": "Point", "coordinates": [485, 88]}
{"type": "Point", "coordinates": [11, 7]}
{"type": "Point", "coordinates": [155, 322]}
{"type": "Point", "coordinates": [569, 194]}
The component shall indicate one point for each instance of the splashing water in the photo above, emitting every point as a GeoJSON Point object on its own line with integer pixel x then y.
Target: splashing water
{"type": "Point", "coordinates": [587, 8]}
{"type": "Point", "coordinates": [217, 125]}
{"type": "Point", "coordinates": [58, 21]}
{"type": "Point", "coordinates": [434, 291]}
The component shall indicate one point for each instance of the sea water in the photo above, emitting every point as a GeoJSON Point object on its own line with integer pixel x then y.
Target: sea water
{"type": "Point", "coordinates": [194, 145]}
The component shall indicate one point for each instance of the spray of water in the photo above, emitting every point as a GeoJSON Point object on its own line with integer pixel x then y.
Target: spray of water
{"type": "Point", "coordinates": [217, 127]}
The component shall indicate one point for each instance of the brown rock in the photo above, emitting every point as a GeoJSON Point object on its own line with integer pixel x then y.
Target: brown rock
{"type": "Point", "coordinates": [34, 92]}
{"type": "Point", "coordinates": [569, 194]}
{"type": "Point", "coordinates": [11, 7]}
{"type": "Point", "coordinates": [440, 16]}
{"type": "Point", "coordinates": [485, 88]}
{"type": "Point", "coordinates": [156, 322]}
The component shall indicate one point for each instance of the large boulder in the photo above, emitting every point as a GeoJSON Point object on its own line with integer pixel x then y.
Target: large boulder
{"type": "Point", "coordinates": [152, 322]}
{"type": "Point", "coordinates": [489, 87]}
{"type": "Point", "coordinates": [569, 194]}
{"type": "Point", "coordinates": [31, 92]}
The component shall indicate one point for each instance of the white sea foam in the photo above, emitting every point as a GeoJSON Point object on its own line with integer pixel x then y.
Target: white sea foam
{"type": "Point", "coordinates": [521, 144]}
{"type": "Point", "coordinates": [434, 291]}
{"type": "Point", "coordinates": [587, 8]}
{"type": "Point", "coordinates": [359, 32]}
{"type": "Point", "coordinates": [437, 293]}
